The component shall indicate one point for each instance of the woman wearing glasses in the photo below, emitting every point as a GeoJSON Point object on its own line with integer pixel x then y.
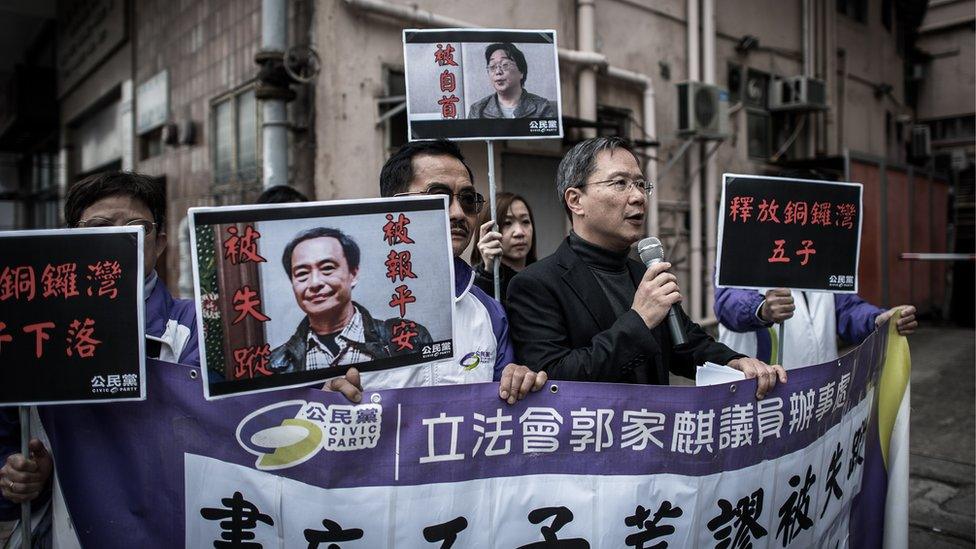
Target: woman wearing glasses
{"type": "Point", "coordinates": [507, 71]}
{"type": "Point", "coordinates": [513, 244]}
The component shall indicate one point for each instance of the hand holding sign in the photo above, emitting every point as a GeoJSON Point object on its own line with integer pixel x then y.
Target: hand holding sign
{"type": "Point", "coordinates": [24, 478]}
{"type": "Point", "coordinates": [778, 306]}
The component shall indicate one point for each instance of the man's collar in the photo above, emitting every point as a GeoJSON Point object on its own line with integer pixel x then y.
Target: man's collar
{"type": "Point", "coordinates": [149, 285]}
{"type": "Point", "coordinates": [350, 332]}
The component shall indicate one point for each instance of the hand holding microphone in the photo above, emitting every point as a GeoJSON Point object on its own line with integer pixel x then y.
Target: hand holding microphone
{"type": "Point", "coordinates": [658, 294]}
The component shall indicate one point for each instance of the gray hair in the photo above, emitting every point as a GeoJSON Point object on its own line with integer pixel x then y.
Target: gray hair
{"type": "Point", "coordinates": [578, 164]}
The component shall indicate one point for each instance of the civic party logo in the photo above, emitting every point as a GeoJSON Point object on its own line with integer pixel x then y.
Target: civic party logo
{"type": "Point", "coordinates": [289, 433]}
{"type": "Point", "coordinates": [474, 359]}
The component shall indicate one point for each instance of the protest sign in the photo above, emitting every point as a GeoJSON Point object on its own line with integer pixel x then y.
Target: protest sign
{"type": "Point", "coordinates": [295, 294]}
{"type": "Point", "coordinates": [789, 233]}
{"type": "Point", "coordinates": [603, 465]}
{"type": "Point", "coordinates": [482, 84]}
{"type": "Point", "coordinates": [71, 316]}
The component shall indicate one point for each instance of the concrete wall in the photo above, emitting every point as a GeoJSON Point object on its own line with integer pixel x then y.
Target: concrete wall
{"type": "Point", "coordinates": [950, 75]}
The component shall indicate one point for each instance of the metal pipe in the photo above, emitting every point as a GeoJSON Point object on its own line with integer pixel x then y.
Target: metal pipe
{"type": "Point", "coordinates": [274, 125]}
{"type": "Point", "coordinates": [711, 164]}
{"type": "Point", "coordinates": [586, 42]}
{"type": "Point", "coordinates": [694, 199]}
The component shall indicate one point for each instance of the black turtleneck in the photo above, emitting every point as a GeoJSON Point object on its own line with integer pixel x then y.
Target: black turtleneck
{"type": "Point", "coordinates": [610, 270]}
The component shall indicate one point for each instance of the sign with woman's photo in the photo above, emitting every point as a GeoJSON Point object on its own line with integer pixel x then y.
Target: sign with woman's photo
{"type": "Point", "coordinates": [482, 84]}
{"type": "Point", "coordinates": [295, 294]}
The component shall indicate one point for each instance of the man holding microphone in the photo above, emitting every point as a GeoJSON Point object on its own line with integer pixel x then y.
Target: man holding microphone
{"type": "Point", "coordinates": [588, 312]}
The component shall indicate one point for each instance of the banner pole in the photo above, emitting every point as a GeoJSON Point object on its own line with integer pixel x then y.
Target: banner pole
{"type": "Point", "coordinates": [494, 225]}
{"type": "Point", "coordinates": [25, 507]}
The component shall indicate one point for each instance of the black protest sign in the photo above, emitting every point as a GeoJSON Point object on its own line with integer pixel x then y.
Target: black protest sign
{"type": "Point", "coordinates": [71, 316]}
{"type": "Point", "coordinates": [789, 233]}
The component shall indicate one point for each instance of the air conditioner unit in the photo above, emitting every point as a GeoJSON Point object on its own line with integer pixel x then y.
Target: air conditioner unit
{"type": "Point", "coordinates": [920, 147]}
{"type": "Point", "coordinates": [797, 93]}
{"type": "Point", "coordinates": [703, 110]}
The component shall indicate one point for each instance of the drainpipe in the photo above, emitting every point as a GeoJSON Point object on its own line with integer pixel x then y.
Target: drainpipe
{"type": "Point", "coordinates": [711, 169]}
{"type": "Point", "coordinates": [695, 213]}
{"type": "Point", "coordinates": [586, 42]}
{"type": "Point", "coordinates": [808, 68]}
{"type": "Point", "coordinates": [652, 223]}
{"type": "Point", "coordinates": [274, 126]}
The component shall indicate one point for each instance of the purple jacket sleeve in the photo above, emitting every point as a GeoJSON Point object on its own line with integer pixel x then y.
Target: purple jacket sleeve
{"type": "Point", "coordinates": [855, 317]}
{"type": "Point", "coordinates": [736, 309]}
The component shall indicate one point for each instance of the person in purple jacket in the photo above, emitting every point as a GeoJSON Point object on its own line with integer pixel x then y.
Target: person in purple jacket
{"type": "Point", "coordinates": [103, 200]}
{"type": "Point", "coordinates": [749, 323]}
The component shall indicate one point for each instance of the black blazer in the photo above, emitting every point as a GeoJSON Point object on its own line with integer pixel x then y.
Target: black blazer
{"type": "Point", "coordinates": [561, 321]}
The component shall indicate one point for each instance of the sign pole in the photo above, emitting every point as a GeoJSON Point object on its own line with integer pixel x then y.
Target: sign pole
{"type": "Point", "coordinates": [782, 338]}
{"type": "Point", "coordinates": [494, 225]}
{"type": "Point", "coordinates": [25, 507]}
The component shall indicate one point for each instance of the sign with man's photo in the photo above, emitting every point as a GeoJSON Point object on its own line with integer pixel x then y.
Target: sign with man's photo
{"type": "Point", "coordinates": [71, 316]}
{"type": "Point", "coordinates": [482, 84]}
{"type": "Point", "coordinates": [789, 233]}
{"type": "Point", "coordinates": [295, 294]}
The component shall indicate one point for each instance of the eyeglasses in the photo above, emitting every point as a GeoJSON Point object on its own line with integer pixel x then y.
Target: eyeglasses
{"type": "Point", "coordinates": [471, 201]}
{"type": "Point", "coordinates": [506, 66]}
{"type": "Point", "coordinates": [147, 226]}
{"type": "Point", "coordinates": [621, 185]}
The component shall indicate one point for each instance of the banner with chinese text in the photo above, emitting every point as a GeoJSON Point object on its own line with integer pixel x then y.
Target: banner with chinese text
{"type": "Point", "coordinates": [585, 464]}
{"type": "Point", "coordinates": [295, 294]}
{"type": "Point", "coordinates": [71, 316]}
{"type": "Point", "coordinates": [789, 233]}
{"type": "Point", "coordinates": [482, 84]}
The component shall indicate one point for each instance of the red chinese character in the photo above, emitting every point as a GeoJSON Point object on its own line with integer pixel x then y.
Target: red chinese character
{"type": "Point", "coordinates": [448, 84]}
{"type": "Point", "coordinates": [16, 282]}
{"type": "Point", "coordinates": [767, 211]}
{"type": "Point", "coordinates": [778, 253]}
{"type": "Point", "coordinates": [251, 360]}
{"type": "Point", "coordinates": [60, 281]}
{"type": "Point", "coordinates": [105, 273]}
{"type": "Point", "coordinates": [247, 303]}
{"type": "Point", "coordinates": [398, 265]}
{"type": "Point", "coordinates": [80, 338]}
{"type": "Point", "coordinates": [395, 232]}
{"type": "Point", "coordinates": [4, 338]}
{"type": "Point", "coordinates": [39, 335]}
{"type": "Point", "coordinates": [448, 106]}
{"type": "Point", "coordinates": [444, 56]}
{"type": "Point", "coordinates": [795, 213]}
{"type": "Point", "coordinates": [400, 299]}
{"type": "Point", "coordinates": [403, 334]}
{"type": "Point", "coordinates": [846, 214]}
{"type": "Point", "coordinates": [820, 214]}
{"type": "Point", "coordinates": [806, 251]}
{"type": "Point", "coordinates": [241, 249]}
{"type": "Point", "coordinates": [741, 208]}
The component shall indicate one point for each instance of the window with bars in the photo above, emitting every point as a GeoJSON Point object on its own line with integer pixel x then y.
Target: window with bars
{"type": "Point", "coordinates": [235, 123]}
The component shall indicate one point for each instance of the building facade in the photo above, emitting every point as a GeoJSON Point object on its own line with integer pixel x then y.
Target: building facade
{"type": "Point", "coordinates": [172, 89]}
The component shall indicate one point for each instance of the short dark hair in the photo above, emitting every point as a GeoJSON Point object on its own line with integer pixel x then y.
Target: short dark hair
{"type": "Point", "coordinates": [93, 188]}
{"type": "Point", "coordinates": [398, 170]}
{"type": "Point", "coordinates": [281, 194]}
{"type": "Point", "coordinates": [349, 247]}
{"type": "Point", "coordinates": [514, 54]}
{"type": "Point", "coordinates": [578, 164]}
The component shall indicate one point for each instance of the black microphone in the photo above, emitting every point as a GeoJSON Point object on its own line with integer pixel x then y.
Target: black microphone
{"type": "Point", "coordinates": [651, 251]}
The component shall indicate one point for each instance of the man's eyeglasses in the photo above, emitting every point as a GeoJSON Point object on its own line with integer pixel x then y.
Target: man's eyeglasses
{"type": "Point", "coordinates": [147, 226]}
{"type": "Point", "coordinates": [471, 201]}
{"type": "Point", "coordinates": [621, 185]}
{"type": "Point", "coordinates": [506, 66]}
